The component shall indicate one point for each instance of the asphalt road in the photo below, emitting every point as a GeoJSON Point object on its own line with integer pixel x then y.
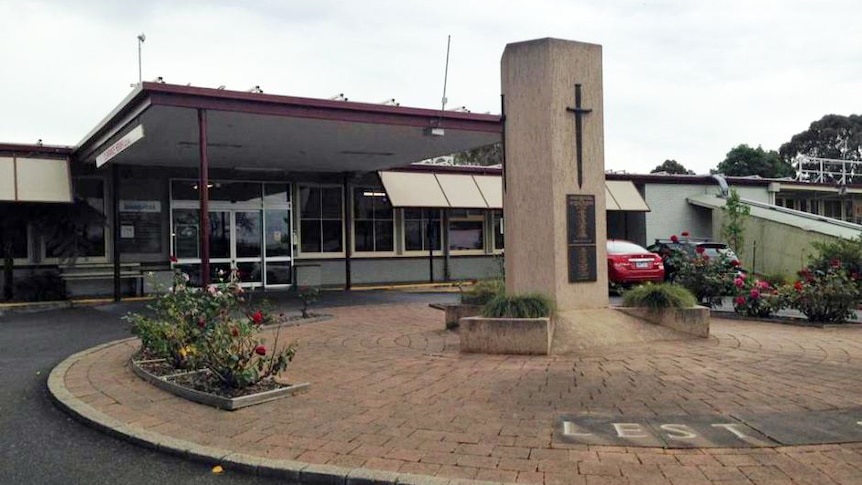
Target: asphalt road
{"type": "Point", "coordinates": [39, 444]}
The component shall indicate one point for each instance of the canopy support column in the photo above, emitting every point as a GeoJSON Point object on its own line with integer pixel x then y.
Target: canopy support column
{"type": "Point", "coordinates": [115, 229]}
{"type": "Point", "coordinates": [203, 185]}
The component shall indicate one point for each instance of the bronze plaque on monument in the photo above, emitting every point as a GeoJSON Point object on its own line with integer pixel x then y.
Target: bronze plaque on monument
{"type": "Point", "coordinates": [581, 232]}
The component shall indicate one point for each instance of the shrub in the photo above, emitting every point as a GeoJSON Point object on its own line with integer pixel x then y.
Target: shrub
{"type": "Point", "coordinates": [756, 298]}
{"type": "Point", "coordinates": [828, 296]}
{"type": "Point", "coordinates": [308, 295]}
{"type": "Point", "coordinates": [211, 328]}
{"type": "Point", "coordinates": [707, 278]}
{"type": "Point", "coordinates": [483, 291]}
{"type": "Point", "coordinates": [656, 297]}
{"type": "Point", "coordinates": [531, 305]}
{"type": "Point", "coordinates": [847, 251]}
{"type": "Point", "coordinates": [777, 280]}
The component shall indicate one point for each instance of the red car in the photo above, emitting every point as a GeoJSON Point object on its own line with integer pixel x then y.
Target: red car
{"type": "Point", "coordinates": [629, 263]}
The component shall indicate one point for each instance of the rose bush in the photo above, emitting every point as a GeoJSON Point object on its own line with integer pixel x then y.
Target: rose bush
{"type": "Point", "coordinates": [210, 328]}
{"type": "Point", "coordinates": [756, 298]}
{"type": "Point", "coordinates": [827, 295]}
{"type": "Point", "coordinates": [707, 278]}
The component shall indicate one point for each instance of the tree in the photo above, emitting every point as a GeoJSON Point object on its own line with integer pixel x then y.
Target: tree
{"type": "Point", "coordinates": [743, 161]}
{"type": "Point", "coordinates": [733, 227]}
{"type": "Point", "coordinates": [672, 167]}
{"type": "Point", "coordinates": [485, 156]}
{"type": "Point", "coordinates": [833, 136]}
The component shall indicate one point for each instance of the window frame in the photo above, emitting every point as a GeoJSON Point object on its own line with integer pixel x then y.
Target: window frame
{"type": "Point", "coordinates": [109, 221]}
{"type": "Point", "coordinates": [424, 251]}
{"type": "Point", "coordinates": [355, 220]}
{"type": "Point", "coordinates": [493, 239]}
{"type": "Point", "coordinates": [300, 254]}
{"type": "Point", "coordinates": [481, 217]}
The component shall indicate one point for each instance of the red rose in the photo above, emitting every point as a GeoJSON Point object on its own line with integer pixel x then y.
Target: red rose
{"type": "Point", "coordinates": [684, 233]}
{"type": "Point", "coordinates": [735, 262]}
{"type": "Point", "coordinates": [836, 263]}
{"type": "Point", "coordinates": [202, 323]}
{"type": "Point", "coordinates": [257, 317]}
{"type": "Point", "coordinates": [173, 259]}
{"type": "Point", "coordinates": [234, 331]}
{"type": "Point", "coordinates": [705, 257]}
{"type": "Point", "coordinates": [798, 285]}
{"type": "Point", "coordinates": [699, 249]}
{"type": "Point", "coordinates": [740, 301]}
{"type": "Point", "coordinates": [260, 350]}
{"type": "Point", "coordinates": [674, 239]}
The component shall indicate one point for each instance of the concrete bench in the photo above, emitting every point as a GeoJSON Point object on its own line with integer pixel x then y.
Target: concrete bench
{"type": "Point", "coordinates": [103, 271]}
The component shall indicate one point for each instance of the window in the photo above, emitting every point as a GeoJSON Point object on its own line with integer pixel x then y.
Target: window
{"type": "Point", "coordinates": [466, 229]}
{"type": "Point", "coordinates": [421, 227]}
{"type": "Point", "coordinates": [498, 229]}
{"type": "Point", "coordinates": [373, 223]}
{"type": "Point", "coordinates": [320, 221]}
{"type": "Point", "coordinates": [90, 242]}
{"type": "Point", "coordinates": [14, 232]}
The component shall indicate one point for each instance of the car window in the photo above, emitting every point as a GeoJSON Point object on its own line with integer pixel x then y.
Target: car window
{"type": "Point", "coordinates": [624, 247]}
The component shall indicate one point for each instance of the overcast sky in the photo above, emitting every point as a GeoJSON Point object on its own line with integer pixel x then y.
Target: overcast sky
{"type": "Point", "coordinates": [684, 79]}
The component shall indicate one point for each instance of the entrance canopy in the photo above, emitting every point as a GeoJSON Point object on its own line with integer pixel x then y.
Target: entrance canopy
{"type": "Point", "coordinates": [157, 124]}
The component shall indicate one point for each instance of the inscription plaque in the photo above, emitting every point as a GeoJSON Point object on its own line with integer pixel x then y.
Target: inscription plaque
{"type": "Point", "coordinates": [581, 233]}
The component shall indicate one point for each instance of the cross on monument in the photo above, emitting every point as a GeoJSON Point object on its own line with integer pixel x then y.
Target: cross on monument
{"type": "Point", "coordinates": [579, 114]}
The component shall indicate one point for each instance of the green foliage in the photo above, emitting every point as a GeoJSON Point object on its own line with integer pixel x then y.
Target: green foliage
{"type": "Point", "coordinates": [211, 328]}
{"type": "Point", "coordinates": [829, 296]}
{"type": "Point", "coordinates": [756, 298]}
{"type": "Point", "coordinates": [485, 156]}
{"type": "Point", "coordinates": [848, 251]}
{"type": "Point", "coordinates": [777, 280]}
{"type": "Point", "coordinates": [672, 167]}
{"type": "Point", "coordinates": [707, 278]}
{"type": "Point", "coordinates": [483, 291]}
{"type": "Point", "coordinates": [531, 305]}
{"type": "Point", "coordinates": [659, 296]}
{"type": "Point", "coordinates": [833, 136]}
{"type": "Point", "coordinates": [308, 295]}
{"type": "Point", "coordinates": [733, 227]}
{"type": "Point", "coordinates": [742, 161]}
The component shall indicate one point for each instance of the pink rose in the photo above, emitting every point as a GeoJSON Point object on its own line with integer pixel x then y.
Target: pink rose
{"type": "Point", "coordinates": [755, 293]}
{"type": "Point", "coordinates": [740, 300]}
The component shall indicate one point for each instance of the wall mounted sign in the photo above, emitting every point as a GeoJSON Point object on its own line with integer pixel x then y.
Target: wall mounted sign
{"type": "Point", "coordinates": [581, 237]}
{"type": "Point", "coordinates": [126, 141]}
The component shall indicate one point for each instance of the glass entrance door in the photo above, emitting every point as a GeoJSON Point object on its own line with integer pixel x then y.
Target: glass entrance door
{"type": "Point", "coordinates": [247, 241]}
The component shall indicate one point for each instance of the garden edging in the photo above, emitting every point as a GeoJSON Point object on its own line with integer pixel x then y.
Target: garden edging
{"type": "Point", "coordinates": [293, 471]}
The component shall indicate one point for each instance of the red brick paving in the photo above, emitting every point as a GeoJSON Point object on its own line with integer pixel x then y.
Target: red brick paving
{"type": "Point", "coordinates": [390, 391]}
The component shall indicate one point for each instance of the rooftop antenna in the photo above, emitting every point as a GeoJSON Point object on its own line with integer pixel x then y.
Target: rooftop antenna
{"type": "Point", "coordinates": [141, 39]}
{"type": "Point", "coordinates": [436, 130]}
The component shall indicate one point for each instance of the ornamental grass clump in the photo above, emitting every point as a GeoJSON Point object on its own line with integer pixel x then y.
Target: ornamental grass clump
{"type": "Point", "coordinates": [825, 296]}
{"type": "Point", "coordinates": [213, 329]}
{"type": "Point", "coordinates": [756, 297]}
{"type": "Point", "coordinates": [656, 297]}
{"type": "Point", "coordinates": [531, 305]}
{"type": "Point", "coordinates": [483, 291]}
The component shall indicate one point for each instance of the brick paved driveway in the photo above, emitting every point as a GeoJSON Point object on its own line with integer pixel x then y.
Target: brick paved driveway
{"type": "Point", "coordinates": [391, 392]}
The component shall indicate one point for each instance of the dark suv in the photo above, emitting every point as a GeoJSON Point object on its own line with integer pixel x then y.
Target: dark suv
{"type": "Point", "coordinates": [690, 245]}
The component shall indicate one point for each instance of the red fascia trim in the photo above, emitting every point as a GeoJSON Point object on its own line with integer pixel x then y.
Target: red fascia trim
{"type": "Point", "coordinates": [266, 104]}
{"type": "Point", "coordinates": [471, 169]}
{"type": "Point", "coordinates": [25, 149]}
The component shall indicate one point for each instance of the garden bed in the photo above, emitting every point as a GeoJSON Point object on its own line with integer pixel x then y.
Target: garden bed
{"type": "Point", "coordinates": [785, 320]}
{"type": "Point", "coordinates": [203, 387]}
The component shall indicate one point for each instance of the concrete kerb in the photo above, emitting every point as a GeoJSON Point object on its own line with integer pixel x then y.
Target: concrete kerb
{"type": "Point", "coordinates": [294, 471]}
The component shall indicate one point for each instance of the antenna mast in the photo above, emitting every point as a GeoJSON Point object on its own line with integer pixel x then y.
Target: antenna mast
{"type": "Point", "coordinates": [446, 74]}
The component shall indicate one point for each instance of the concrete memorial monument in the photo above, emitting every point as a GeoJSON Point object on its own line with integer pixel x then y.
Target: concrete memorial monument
{"type": "Point", "coordinates": [554, 192]}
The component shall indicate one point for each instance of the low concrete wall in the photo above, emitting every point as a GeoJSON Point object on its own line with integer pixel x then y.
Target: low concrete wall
{"type": "Point", "coordinates": [692, 321]}
{"type": "Point", "coordinates": [523, 336]}
{"type": "Point", "coordinates": [454, 314]}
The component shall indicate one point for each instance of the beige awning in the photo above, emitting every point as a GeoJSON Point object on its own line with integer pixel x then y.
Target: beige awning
{"type": "Point", "coordinates": [465, 191]}
{"type": "Point", "coordinates": [625, 196]}
{"type": "Point", "coordinates": [35, 180]}
{"type": "Point", "coordinates": [413, 189]}
{"type": "Point", "coordinates": [492, 189]}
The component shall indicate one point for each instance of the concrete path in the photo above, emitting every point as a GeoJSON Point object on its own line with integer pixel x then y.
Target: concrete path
{"type": "Point", "coordinates": [393, 399]}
